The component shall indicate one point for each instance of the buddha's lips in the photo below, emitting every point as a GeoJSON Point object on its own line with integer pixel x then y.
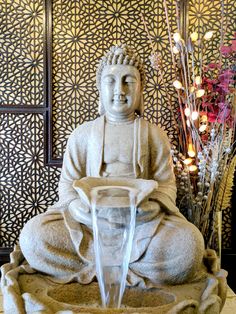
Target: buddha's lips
{"type": "Point", "coordinates": [120, 100]}
{"type": "Point", "coordinates": [119, 103]}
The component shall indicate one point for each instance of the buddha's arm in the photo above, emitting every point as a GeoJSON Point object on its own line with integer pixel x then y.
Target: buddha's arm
{"type": "Point", "coordinates": [74, 164]}
{"type": "Point", "coordinates": [162, 168]}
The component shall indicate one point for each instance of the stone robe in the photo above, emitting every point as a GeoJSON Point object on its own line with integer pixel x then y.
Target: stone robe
{"type": "Point", "coordinates": [166, 248]}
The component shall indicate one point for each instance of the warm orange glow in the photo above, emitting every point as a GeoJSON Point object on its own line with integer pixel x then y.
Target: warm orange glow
{"type": "Point", "coordinates": [191, 151]}
{"type": "Point", "coordinates": [195, 115]}
{"type": "Point", "coordinates": [198, 80]}
{"type": "Point", "coordinates": [204, 118]}
{"type": "Point", "coordinates": [192, 168]}
{"type": "Point", "coordinates": [192, 89]}
{"type": "Point", "coordinates": [200, 93]}
{"type": "Point", "coordinates": [177, 84]}
{"type": "Point", "coordinates": [187, 161]}
{"type": "Point", "coordinates": [203, 128]}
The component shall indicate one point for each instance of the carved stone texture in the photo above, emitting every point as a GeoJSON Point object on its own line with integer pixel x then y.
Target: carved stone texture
{"type": "Point", "coordinates": [21, 46]}
{"type": "Point", "coordinates": [32, 291]}
{"type": "Point", "coordinates": [27, 186]}
{"type": "Point", "coordinates": [82, 32]}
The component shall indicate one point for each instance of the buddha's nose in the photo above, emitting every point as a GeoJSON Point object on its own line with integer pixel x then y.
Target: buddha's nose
{"type": "Point", "coordinates": [119, 88]}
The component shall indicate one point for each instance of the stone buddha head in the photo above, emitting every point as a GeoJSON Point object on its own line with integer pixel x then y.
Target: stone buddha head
{"type": "Point", "coordinates": [120, 81]}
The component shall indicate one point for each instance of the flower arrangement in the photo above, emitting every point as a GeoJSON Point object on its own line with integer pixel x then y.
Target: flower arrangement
{"type": "Point", "coordinates": [204, 158]}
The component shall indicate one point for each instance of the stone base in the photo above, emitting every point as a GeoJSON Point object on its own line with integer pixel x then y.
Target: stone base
{"type": "Point", "coordinates": [41, 293]}
{"type": "Point", "coordinates": [26, 291]}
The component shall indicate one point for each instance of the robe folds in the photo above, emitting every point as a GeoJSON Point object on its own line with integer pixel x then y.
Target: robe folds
{"type": "Point", "coordinates": [166, 247]}
{"type": "Point", "coordinates": [151, 160]}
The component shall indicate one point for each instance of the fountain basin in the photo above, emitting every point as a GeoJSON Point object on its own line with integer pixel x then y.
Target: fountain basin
{"type": "Point", "coordinates": [51, 297]}
{"type": "Point", "coordinates": [89, 296]}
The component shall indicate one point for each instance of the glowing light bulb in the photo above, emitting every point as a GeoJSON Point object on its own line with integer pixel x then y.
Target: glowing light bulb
{"type": "Point", "coordinates": [203, 128]}
{"type": "Point", "coordinates": [192, 168]}
{"type": "Point", "coordinates": [188, 161]}
{"type": "Point", "coordinates": [198, 80]}
{"type": "Point", "coordinates": [177, 37]}
{"type": "Point", "coordinates": [200, 93]}
{"type": "Point", "coordinates": [177, 84]}
{"type": "Point", "coordinates": [191, 151]}
{"type": "Point", "coordinates": [175, 50]}
{"type": "Point", "coordinates": [194, 36]}
{"type": "Point", "coordinates": [187, 112]}
{"type": "Point", "coordinates": [204, 118]}
{"type": "Point", "coordinates": [188, 123]}
{"type": "Point", "coordinates": [195, 115]}
{"type": "Point", "coordinates": [192, 89]}
{"type": "Point", "coordinates": [208, 35]}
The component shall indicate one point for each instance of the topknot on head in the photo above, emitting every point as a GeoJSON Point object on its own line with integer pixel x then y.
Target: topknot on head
{"type": "Point", "coordinates": [121, 54]}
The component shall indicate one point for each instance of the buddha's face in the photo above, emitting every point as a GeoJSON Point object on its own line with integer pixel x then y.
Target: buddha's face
{"type": "Point", "coordinates": [120, 90]}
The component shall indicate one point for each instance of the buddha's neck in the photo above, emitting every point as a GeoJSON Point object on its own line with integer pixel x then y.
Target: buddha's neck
{"type": "Point", "coordinates": [120, 119]}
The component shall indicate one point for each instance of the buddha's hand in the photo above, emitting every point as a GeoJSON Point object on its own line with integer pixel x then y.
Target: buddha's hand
{"type": "Point", "coordinates": [80, 212]}
{"type": "Point", "coordinates": [147, 211]}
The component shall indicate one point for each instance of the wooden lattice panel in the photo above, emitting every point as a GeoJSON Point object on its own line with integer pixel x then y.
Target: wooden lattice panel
{"type": "Point", "coordinates": [206, 16]}
{"type": "Point", "coordinates": [27, 186]}
{"type": "Point", "coordinates": [82, 32]}
{"type": "Point", "coordinates": [22, 59]}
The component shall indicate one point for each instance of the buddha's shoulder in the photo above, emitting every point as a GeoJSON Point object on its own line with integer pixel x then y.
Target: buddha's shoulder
{"type": "Point", "coordinates": [85, 128]}
{"type": "Point", "coordinates": [154, 129]}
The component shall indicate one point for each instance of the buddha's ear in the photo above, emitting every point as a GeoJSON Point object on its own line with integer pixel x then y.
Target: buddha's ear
{"type": "Point", "coordinates": [101, 109]}
{"type": "Point", "coordinates": [139, 111]}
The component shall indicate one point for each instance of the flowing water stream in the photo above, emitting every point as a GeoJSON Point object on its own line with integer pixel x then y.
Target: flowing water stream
{"type": "Point", "coordinates": [113, 215]}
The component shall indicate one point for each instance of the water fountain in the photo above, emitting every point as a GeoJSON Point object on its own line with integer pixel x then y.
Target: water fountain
{"type": "Point", "coordinates": [113, 215]}
{"type": "Point", "coordinates": [53, 270]}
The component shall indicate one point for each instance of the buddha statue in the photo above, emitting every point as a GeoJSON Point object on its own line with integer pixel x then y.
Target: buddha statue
{"type": "Point", "coordinates": [121, 146]}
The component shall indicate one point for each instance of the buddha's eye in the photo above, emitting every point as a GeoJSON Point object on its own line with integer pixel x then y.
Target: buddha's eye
{"type": "Point", "coordinates": [108, 80]}
{"type": "Point", "coordinates": [130, 80]}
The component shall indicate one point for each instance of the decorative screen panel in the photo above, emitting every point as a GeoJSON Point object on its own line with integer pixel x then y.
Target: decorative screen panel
{"type": "Point", "coordinates": [27, 186]}
{"type": "Point", "coordinates": [82, 32]}
{"type": "Point", "coordinates": [21, 47]}
{"type": "Point", "coordinates": [206, 16]}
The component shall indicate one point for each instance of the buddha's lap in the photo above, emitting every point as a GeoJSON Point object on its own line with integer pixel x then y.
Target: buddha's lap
{"type": "Point", "coordinates": [173, 237]}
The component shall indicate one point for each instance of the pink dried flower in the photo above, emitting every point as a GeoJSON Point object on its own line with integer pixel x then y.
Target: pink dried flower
{"type": "Point", "coordinates": [214, 65]}
{"type": "Point", "coordinates": [208, 105]}
{"type": "Point", "coordinates": [225, 50]}
{"type": "Point", "coordinates": [212, 117]}
{"type": "Point", "coordinates": [223, 87]}
{"type": "Point", "coordinates": [224, 115]}
{"type": "Point", "coordinates": [233, 47]}
{"type": "Point", "coordinates": [222, 105]}
{"type": "Point", "coordinates": [211, 81]}
{"type": "Point", "coordinates": [203, 113]}
{"type": "Point", "coordinates": [227, 73]}
{"type": "Point", "coordinates": [204, 138]}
